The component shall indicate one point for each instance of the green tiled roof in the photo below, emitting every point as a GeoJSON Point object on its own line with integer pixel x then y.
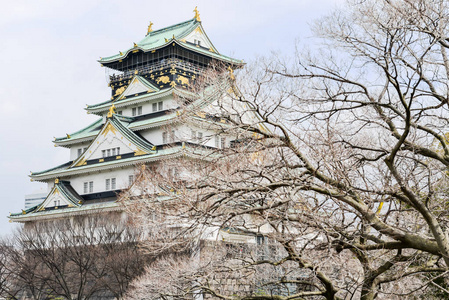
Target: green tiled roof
{"type": "Point", "coordinates": [107, 104]}
{"type": "Point", "coordinates": [86, 131]}
{"type": "Point", "coordinates": [57, 168]}
{"type": "Point", "coordinates": [156, 39]}
{"type": "Point", "coordinates": [163, 37]}
{"type": "Point", "coordinates": [158, 153]}
{"type": "Point", "coordinates": [21, 217]}
{"type": "Point", "coordinates": [65, 189]}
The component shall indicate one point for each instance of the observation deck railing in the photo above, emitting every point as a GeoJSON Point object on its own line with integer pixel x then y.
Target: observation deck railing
{"type": "Point", "coordinates": [162, 64]}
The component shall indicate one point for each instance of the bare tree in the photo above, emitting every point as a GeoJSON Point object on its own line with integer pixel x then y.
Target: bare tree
{"type": "Point", "coordinates": [339, 158]}
{"type": "Point", "coordinates": [84, 257]}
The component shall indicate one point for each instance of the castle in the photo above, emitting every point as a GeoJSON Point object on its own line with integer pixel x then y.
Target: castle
{"type": "Point", "coordinates": [137, 125]}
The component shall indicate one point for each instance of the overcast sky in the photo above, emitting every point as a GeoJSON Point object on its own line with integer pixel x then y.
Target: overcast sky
{"type": "Point", "coordinates": [49, 70]}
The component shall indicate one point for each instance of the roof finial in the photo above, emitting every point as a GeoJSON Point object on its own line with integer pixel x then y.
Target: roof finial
{"type": "Point", "coordinates": [149, 28]}
{"type": "Point", "coordinates": [197, 14]}
{"type": "Point", "coordinates": [111, 111]}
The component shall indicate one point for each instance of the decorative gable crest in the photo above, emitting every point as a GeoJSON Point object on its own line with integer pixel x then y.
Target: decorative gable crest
{"type": "Point", "coordinates": [199, 38]}
{"type": "Point", "coordinates": [113, 141]}
{"type": "Point", "coordinates": [138, 85]}
{"type": "Point", "coordinates": [62, 195]}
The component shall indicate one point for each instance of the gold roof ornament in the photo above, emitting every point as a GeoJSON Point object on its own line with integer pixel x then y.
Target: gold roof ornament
{"type": "Point", "coordinates": [111, 111]}
{"type": "Point", "coordinates": [135, 45]}
{"type": "Point", "coordinates": [57, 180]}
{"type": "Point", "coordinates": [149, 28]}
{"type": "Point", "coordinates": [121, 53]}
{"type": "Point", "coordinates": [197, 14]}
{"type": "Point", "coordinates": [68, 135]}
{"type": "Point", "coordinates": [231, 73]}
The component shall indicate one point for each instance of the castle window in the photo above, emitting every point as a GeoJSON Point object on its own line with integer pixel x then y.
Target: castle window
{"type": "Point", "coordinates": [158, 106]}
{"type": "Point", "coordinates": [136, 111]}
{"type": "Point", "coordinates": [88, 187]}
{"type": "Point", "coordinates": [164, 137]}
{"type": "Point", "coordinates": [131, 179]}
{"type": "Point", "coordinates": [200, 137]}
{"type": "Point", "coordinates": [80, 151]}
{"type": "Point", "coordinates": [217, 141]}
{"type": "Point", "coordinates": [57, 203]}
{"type": "Point", "coordinates": [110, 152]}
{"type": "Point", "coordinates": [110, 184]}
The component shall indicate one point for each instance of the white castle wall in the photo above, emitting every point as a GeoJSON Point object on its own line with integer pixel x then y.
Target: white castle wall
{"type": "Point", "coordinates": [99, 180]}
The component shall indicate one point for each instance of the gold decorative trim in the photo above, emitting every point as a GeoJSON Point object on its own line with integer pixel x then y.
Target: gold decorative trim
{"type": "Point", "coordinates": [119, 91]}
{"type": "Point", "coordinates": [163, 79]}
{"type": "Point", "coordinates": [111, 111]}
{"type": "Point", "coordinates": [101, 160]}
{"type": "Point", "coordinates": [109, 128]}
{"type": "Point", "coordinates": [118, 157]}
{"type": "Point", "coordinates": [82, 162]}
{"type": "Point", "coordinates": [149, 28]}
{"type": "Point", "coordinates": [182, 80]}
{"type": "Point", "coordinates": [139, 152]}
{"type": "Point", "coordinates": [197, 14]}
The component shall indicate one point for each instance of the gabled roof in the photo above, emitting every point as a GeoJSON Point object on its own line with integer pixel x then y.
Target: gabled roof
{"type": "Point", "coordinates": [137, 85]}
{"type": "Point", "coordinates": [61, 191]}
{"type": "Point", "coordinates": [113, 125]}
{"type": "Point", "coordinates": [176, 33]}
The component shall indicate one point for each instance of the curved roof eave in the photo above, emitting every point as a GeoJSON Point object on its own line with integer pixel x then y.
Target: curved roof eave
{"type": "Point", "coordinates": [179, 43]}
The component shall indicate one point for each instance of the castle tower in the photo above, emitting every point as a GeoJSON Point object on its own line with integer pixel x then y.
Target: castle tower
{"type": "Point", "coordinates": [132, 126]}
